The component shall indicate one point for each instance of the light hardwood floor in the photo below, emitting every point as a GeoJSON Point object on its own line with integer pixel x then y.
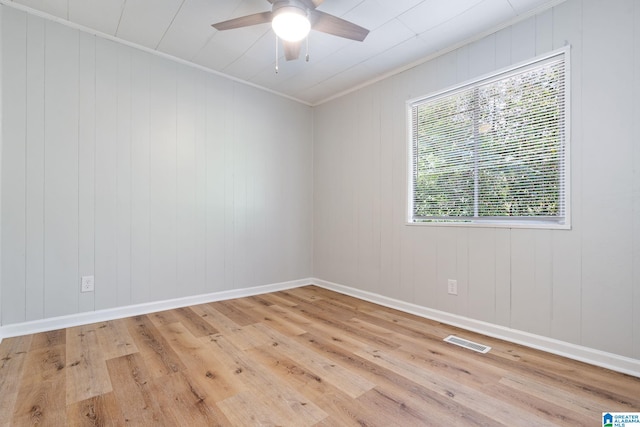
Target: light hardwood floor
{"type": "Point", "coordinates": [302, 357]}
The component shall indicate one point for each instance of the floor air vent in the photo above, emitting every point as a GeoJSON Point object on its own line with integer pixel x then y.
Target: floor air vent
{"type": "Point", "coordinates": [467, 344]}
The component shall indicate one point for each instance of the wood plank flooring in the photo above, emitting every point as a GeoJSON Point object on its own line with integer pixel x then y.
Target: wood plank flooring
{"type": "Point", "coordinates": [303, 357]}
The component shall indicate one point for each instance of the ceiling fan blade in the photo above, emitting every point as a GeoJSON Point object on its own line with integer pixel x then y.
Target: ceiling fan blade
{"type": "Point", "coordinates": [291, 49]}
{"type": "Point", "coordinates": [330, 24]}
{"type": "Point", "coordinates": [243, 21]}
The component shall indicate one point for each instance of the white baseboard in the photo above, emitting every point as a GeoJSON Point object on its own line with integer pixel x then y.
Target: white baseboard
{"type": "Point", "coordinates": [584, 354]}
{"type": "Point", "coordinates": [86, 318]}
{"type": "Point", "coordinates": [592, 356]}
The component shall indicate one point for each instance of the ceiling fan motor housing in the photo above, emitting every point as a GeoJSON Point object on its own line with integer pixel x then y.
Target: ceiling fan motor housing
{"type": "Point", "coordinates": [294, 6]}
{"type": "Point", "coordinates": [290, 20]}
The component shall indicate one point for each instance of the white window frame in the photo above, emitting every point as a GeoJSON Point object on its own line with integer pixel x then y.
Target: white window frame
{"type": "Point", "coordinates": [498, 222]}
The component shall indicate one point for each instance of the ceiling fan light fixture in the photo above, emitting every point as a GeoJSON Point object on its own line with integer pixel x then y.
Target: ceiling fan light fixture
{"type": "Point", "coordinates": [290, 23]}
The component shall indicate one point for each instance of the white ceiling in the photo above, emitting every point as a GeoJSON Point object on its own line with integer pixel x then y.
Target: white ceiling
{"type": "Point", "coordinates": [402, 32]}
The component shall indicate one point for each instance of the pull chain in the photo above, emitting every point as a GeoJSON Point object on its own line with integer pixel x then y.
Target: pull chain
{"type": "Point", "coordinates": [276, 54]}
{"type": "Point", "coordinates": [307, 56]}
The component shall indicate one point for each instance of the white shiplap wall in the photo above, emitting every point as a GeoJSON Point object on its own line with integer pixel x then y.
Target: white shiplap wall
{"type": "Point", "coordinates": [161, 179]}
{"type": "Point", "coordinates": [580, 286]}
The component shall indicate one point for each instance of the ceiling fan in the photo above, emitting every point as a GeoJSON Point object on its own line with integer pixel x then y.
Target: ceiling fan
{"type": "Point", "coordinates": [291, 21]}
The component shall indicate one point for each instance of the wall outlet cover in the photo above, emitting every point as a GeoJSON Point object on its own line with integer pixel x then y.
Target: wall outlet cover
{"type": "Point", "coordinates": [452, 287]}
{"type": "Point", "coordinates": [87, 284]}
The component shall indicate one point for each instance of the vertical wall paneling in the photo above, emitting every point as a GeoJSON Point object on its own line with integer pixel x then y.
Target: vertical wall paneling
{"type": "Point", "coordinates": [251, 202]}
{"type": "Point", "coordinates": [162, 171]}
{"type": "Point", "coordinates": [446, 67]}
{"type": "Point", "coordinates": [341, 211]}
{"type": "Point", "coordinates": [267, 224]}
{"type": "Point", "coordinates": [14, 39]}
{"type": "Point", "coordinates": [566, 320]}
{"type": "Point", "coordinates": [123, 177]}
{"type": "Point", "coordinates": [607, 244]}
{"type": "Point", "coordinates": [282, 226]}
{"type": "Point", "coordinates": [61, 170]}
{"type": "Point", "coordinates": [186, 181]}
{"type": "Point", "coordinates": [35, 164]}
{"type": "Point", "coordinates": [350, 181]}
{"type": "Point", "coordinates": [408, 255]}
{"type": "Point", "coordinates": [482, 56]}
{"type": "Point", "coordinates": [243, 136]}
{"type": "Point", "coordinates": [404, 279]}
{"type": "Point", "coordinates": [636, 186]}
{"type": "Point", "coordinates": [398, 158]}
{"type": "Point", "coordinates": [239, 269]}
{"type": "Point", "coordinates": [388, 224]}
{"type": "Point", "coordinates": [420, 81]}
{"type": "Point", "coordinates": [373, 276]}
{"type": "Point", "coordinates": [351, 170]}
{"type": "Point", "coordinates": [566, 279]}
{"type": "Point", "coordinates": [447, 261]}
{"type": "Point", "coordinates": [425, 265]}
{"type": "Point", "coordinates": [503, 277]}
{"type": "Point", "coordinates": [503, 48]}
{"type": "Point", "coordinates": [297, 223]}
{"type": "Point", "coordinates": [544, 32]}
{"type": "Point", "coordinates": [263, 164]}
{"type": "Point", "coordinates": [248, 254]}
{"type": "Point", "coordinates": [106, 180]}
{"type": "Point", "coordinates": [1, 143]}
{"type": "Point", "coordinates": [304, 213]}
{"type": "Point", "coordinates": [462, 270]}
{"type": "Point", "coordinates": [261, 216]}
{"type": "Point", "coordinates": [216, 134]}
{"type": "Point", "coordinates": [346, 220]}
{"type": "Point", "coordinates": [523, 40]}
{"type": "Point", "coordinates": [255, 201]}
{"type": "Point", "coordinates": [230, 185]}
{"type": "Point", "coordinates": [327, 214]}
{"type": "Point", "coordinates": [543, 279]}
{"type": "Point", "coordinates": [140, 179]}
{"type": "Point", "coordinates": [86, 165]}
{"type": "Point", "coordinates": [365, 189]}
{"type": "Point", "coordinates": [321, 244]}
{"type": "Point", "coordinates": [524, 297]}
{"type": "Point", "coordinates": [482, 274]}
{"type": "Point", "coordinates": [200, 164]}
{"type": "Point", "coordinates": [300, 214]}
{"type": "Point", "coordinates": [333, 227]}
{"type": "Point", "coordinates": [348, 173]}
{"type": "Point", "coordinates": [463, 66]}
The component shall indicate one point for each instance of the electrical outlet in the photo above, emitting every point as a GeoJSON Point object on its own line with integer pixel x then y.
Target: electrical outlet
{"type": "Point", "coordinates": [87, 283]}
{"type": "Point", "coordinates": [452, 287]}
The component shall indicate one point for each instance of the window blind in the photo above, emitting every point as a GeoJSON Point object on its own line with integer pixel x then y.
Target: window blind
{"type": "Point", "coordinates": [493, 150]}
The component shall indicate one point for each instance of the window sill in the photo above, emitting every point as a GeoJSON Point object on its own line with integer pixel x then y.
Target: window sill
{"type": "Point", "coordinates": [490, 224]}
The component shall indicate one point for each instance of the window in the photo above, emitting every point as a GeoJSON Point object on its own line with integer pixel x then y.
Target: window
{"type": "Point", "coordinates": [494, 151]}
